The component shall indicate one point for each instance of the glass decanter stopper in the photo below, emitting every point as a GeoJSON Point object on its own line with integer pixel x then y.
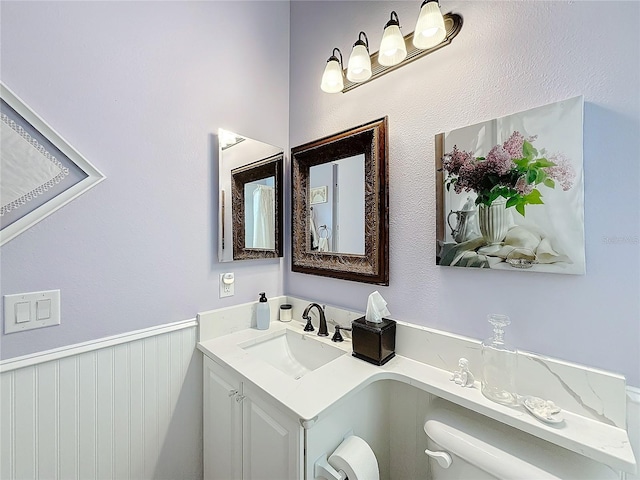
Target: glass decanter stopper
{"type": "Point", "coordinates": [499, 362]}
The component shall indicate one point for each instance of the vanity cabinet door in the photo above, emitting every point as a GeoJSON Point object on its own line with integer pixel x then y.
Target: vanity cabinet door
{"type": "Point", "coordinates": [272, 441]}
{"type": "Point", "coordinates": [222, 424]}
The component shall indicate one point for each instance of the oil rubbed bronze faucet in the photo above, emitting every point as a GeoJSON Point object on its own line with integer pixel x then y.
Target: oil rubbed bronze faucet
{"type": "Point", "coordinates": [322, 328]}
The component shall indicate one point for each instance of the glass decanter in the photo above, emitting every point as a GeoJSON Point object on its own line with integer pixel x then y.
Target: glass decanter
{"type": "Point", "coordinates": [499, 362]}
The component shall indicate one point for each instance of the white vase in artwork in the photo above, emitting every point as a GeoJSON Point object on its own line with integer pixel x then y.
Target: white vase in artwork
{"type": "Point", "coordinates": [494, 224]}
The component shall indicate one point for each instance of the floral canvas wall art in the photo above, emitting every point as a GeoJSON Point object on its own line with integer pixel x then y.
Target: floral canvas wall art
{"type": "Point", "coordinates": [510, 192]}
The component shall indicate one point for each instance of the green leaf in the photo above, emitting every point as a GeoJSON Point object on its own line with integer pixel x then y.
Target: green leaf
{"type": "Point", "coordinates": [529, 150]}
{"type": "Point", "coordinates": [493, 179]}
{"type": "Point", "coordinates": [549, 182]}
{"type": "Point", "coordinates": [534, 197]}
{"type": "Point", "coordinates": [503, 191]}
{"type": "Point", "coordinates": [540, 176]}
{"type": "Point", "coordinates": [531, 176]}
{"type": "Point", "coordinates": [521, 163]}
{"type": "Point", "coordinates": [543, 163]}
{"type": "Point", "coordinates": [520, 208]}
{"type": "Point", "coordinates": [512, 201]}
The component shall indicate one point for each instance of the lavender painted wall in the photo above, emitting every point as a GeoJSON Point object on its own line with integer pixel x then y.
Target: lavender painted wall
{"type": "Point", "coordinates": [140, 89]}
{"type": "Point", "coordinates": [510, 56]}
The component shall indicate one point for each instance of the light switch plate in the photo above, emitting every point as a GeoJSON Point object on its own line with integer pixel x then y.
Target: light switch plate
{"type": "Point", "coordinates": [26, 311]}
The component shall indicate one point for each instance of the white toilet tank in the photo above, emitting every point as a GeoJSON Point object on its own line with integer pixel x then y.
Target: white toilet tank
{"type": "Point", "coordinates": [483, 449]}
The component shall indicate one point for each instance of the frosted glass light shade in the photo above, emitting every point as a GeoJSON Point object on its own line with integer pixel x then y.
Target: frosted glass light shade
{"type": "Point", "coordinates": [359, 67]}
{"type": "Point", "coordinates": [430, 30]}
{"type": "Point", "coordinates": [332, 81]}
{"type": "Point", "coordinates": [226, 138]}
{"type": "Point", "coordinates": [392, 47]}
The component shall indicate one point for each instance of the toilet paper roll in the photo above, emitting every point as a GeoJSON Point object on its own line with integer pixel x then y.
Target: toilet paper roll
{"type": "Point", "coordinates": [355, 458]}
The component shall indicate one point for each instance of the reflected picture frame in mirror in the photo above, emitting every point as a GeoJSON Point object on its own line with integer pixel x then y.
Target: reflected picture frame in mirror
{"type": "Point", "coordinates": [370, 140]}
{"type": "Point", "coordinates": [268, 168]}
{"type": "Point", "coordinates": [244, 165]}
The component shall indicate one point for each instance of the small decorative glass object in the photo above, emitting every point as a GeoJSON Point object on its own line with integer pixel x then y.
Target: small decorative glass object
{"type": "Point", "coordinates": [521, 258]}
{"type": "Point", "coordinates": [499, 362]}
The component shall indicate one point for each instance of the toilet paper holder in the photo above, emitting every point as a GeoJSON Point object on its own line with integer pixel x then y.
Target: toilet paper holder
{"type": "Point", "coordinates": [321, 468]}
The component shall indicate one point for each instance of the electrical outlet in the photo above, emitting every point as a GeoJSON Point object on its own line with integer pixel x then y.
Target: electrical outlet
{"type": "Point", "coordinates": [227, 284]}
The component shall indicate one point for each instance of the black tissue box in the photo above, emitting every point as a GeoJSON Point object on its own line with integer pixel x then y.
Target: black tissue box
{"type": "Point", "coordinates": [374, 342]}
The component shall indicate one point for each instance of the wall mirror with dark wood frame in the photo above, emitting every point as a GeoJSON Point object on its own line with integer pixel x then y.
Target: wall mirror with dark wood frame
{"type": "Point", "coordinates": [251, 192]}
{"type": "Point", "coordinates": [340, 205]}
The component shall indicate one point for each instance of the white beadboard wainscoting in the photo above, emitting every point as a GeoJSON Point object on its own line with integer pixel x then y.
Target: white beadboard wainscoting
{"type": "Point", "coordinates": [124, 407]}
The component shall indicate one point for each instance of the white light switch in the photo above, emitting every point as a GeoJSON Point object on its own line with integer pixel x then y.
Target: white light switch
{"type": "Point", "coordinates": [23, 312]}
{"type": "Point", "coordinates": [43, 309]}
{"type": "Point", "coordinates": [26, 311]}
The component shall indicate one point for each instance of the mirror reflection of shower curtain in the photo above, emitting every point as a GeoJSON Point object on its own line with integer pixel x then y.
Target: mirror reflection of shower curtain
{"type": "Point", "coordinates": [264, 218]}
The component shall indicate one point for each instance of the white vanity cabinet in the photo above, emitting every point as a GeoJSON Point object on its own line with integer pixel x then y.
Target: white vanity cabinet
{"type": "Point", "coordinates": [222, 429]}
{"type": "Point", "coordinates": [245, 435]}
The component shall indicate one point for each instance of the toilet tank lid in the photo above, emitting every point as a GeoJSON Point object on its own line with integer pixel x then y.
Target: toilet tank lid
{"type": "Point", "coordinates": [503, 451]}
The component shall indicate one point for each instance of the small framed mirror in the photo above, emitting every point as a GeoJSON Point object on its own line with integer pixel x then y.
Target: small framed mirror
{"type": "Point", "coordinates": [250, 216]}
{"type": "Point", "coordinates": [340, 205]}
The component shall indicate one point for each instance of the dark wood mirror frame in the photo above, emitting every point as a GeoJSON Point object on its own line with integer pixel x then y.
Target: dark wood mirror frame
{"type": "Point", "coordinates": [268, 167]}
{"type": "Point", "coordinates": [373, 267]}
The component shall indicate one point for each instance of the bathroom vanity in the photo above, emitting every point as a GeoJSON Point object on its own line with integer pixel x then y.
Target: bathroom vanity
{"type": "Point", "coordinates": [266, 417]}
{"type": "Point", "coordinates": [245, 432]}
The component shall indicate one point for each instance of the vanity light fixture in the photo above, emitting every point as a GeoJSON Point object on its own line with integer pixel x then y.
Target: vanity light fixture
{"type": "Point", "coordinates": [392, 48]}
{"type": "Point", "coordinates": [359, 68]}
{"type": "Point", "coordinates": [227, 139]}
{"type": "Point", "coordinates": [333, 78]}
{"type": "Point", "coordinates": [433, 31]}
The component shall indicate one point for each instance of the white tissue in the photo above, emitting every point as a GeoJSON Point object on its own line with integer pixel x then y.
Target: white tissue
{"type": "Point", "coordinates": [355, 457]}
{"type": "Point", "coordinates": [376, 308]}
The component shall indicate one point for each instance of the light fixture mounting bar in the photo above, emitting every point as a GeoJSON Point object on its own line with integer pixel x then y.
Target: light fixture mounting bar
{"type": "Point", "coordinates": [452, 24]}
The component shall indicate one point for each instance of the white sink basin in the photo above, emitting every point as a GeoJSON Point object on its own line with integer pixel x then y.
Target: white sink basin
{"type": "Point", "coordinates": [294, 354]}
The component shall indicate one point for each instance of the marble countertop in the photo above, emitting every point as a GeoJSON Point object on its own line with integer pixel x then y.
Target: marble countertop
{"type": "Point", "coordinates": [312, 396]}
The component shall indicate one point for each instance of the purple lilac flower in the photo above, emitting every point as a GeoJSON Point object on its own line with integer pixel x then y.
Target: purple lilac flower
{"type": "Point", "coordinates": [452, 162]}
{"type": "Point", "coordinates": [499, 161]}
{"type": "Point", "coordinates": [472, 173]}
{"type": "Point", "coordinates": [562, 172]}
{"type": "Point", "coordinates": [522, 187]}
{"type": "Point", "coordinates": [513, 146]}
{"type": "Point", "coordinates": [467, 177]}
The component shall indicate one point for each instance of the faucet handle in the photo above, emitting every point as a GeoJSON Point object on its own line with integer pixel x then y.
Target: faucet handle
{"type": "Point", "coordinates": [337, 337]}
{"type": "Point", "coordinates": [308, 327]}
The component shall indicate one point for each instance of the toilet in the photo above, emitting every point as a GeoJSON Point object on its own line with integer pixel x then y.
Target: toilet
{"type": "Point", "coordinates": [465, 445]}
